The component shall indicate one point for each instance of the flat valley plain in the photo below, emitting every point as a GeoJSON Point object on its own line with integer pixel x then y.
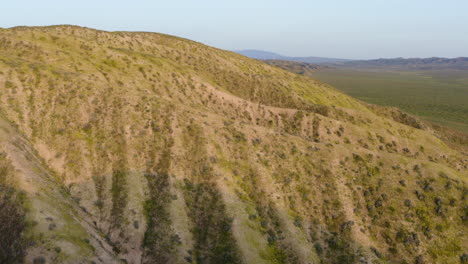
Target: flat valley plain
{"type": "Point", "coordinates": [439, 96]}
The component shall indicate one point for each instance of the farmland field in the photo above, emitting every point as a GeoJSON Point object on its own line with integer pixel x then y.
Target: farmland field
{"type": "Point", "coordinates": [437, 96]}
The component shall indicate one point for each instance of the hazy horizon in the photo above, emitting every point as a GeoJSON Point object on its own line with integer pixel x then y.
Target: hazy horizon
{"type": "Point", "coordinates": [337, 29]}
{"type": "Point", "coordinates": [287, 55]}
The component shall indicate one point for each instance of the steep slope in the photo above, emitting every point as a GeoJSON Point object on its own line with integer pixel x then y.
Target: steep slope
{"type": "Point", "coordinates": [52, 214]}
{"type": "Point", "coordinates": [147, 148]}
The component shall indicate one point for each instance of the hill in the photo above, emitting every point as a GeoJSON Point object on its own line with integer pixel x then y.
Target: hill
{"type": "Point", "coordinates": [296, 67]}
{"type": "Point", "coordinates": [127, 147]}
{"type": "Point", "coordinates": [265, 55]}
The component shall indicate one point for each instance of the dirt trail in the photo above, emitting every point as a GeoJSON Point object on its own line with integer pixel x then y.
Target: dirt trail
{"type": "Point", "coordinates": [50, 203]}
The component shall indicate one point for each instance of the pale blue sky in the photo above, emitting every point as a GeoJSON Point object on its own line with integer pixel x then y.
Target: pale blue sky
{"type": "Point", "coordinates": [327, 28]}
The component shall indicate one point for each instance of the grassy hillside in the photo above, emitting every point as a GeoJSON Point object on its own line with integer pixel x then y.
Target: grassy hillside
{"type": "Point", "coordinates": [438, 96]}
{"type": "Point", "coordinates": [147, 148]}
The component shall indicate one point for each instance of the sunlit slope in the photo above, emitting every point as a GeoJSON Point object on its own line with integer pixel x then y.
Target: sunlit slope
{"type": "Point", "coordinates": [163, 150]}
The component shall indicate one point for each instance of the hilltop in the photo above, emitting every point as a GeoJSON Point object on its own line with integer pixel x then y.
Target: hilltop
{"type": "Point", "coordinates": [134, 147]}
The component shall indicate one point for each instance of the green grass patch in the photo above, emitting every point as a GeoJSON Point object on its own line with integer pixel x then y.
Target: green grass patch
{"type": "Point", "coordinates": [438, 96]}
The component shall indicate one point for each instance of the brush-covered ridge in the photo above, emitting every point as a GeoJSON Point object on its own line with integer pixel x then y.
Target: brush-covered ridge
{"type": "Point", "coordinates": [147, 148]}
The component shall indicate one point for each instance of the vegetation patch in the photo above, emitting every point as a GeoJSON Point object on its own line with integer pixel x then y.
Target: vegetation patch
{"type": "Point", "coordinates": [12, 217]}
{"type": "Point", "coordinates": [212, 228]}
{"type": "Point", "coordinates": [214, 242]}
{"type": "Point", "coordinates": [438, 96]}
{"type": "Point", "coordinates": [119, 197]}
{"type": "Point", "coordinates": [160, 240]}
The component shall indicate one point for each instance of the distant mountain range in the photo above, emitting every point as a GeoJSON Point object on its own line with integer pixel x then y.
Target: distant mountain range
{"type": "Point", "coordinates": [434, 63]}
{"type": "Point", "coordinates": [266, 55]}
